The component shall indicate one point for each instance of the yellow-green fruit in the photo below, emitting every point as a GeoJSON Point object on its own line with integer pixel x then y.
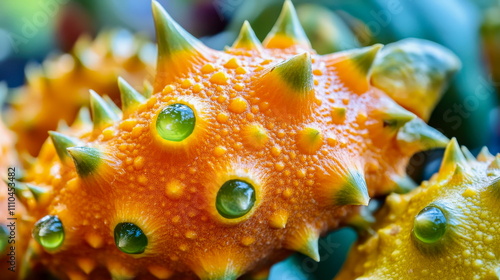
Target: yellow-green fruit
{"type": "Point", "coordinates": [445, 229]}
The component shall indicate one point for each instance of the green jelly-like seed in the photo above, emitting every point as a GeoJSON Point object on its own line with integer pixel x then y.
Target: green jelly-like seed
{"type": "Point", "coordinates": [430, 225]}
{"type": "Point", "coordinates": [49, 232]}
{"type": "Point", "coordinates": [175, 122]}
{"type": "Point", "coordinates": [130, 238]}
{"type": "Point", "coordinates": [235, 198]}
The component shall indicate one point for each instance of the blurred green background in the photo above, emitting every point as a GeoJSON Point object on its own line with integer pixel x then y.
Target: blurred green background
{"type": "Point", "coordinates": [32, 29]}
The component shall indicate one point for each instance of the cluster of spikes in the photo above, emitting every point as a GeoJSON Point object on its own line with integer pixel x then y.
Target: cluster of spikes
{"type": "Point", "coordinates": [236, 159]}
{"type": "Point", "coordinates": [450, 221]}
{"type": "Point", "coordinates": [58, 88]}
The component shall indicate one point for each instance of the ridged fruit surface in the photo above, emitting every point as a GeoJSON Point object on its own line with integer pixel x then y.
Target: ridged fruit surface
{"type": "Point", "coordinates": [238, 158]}
{"type": "Point", "coordinates": [445, 229]}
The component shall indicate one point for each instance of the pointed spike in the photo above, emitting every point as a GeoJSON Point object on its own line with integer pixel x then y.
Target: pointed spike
{"type": "Point", "coordinates": [484, 155]}
{"type": "Point", "coordinates": [395, 117]}
{"type": "Point", "coordinates": [247, 39]}
{"type": "Point", "coordinates": [37, 192]}
{"type": "Point", "coordinates": [404, 184]}
{"type": "Point", "coordinates": [83, 117]}
{"type": "Point", "coordinates": [61, 143]}
{"type": "Point", "coordinates": [495, 164]}
{"type": "Point", "coordinates": [175, 46]}
{"type": "Point", "coordinates": [468, 155]}
{"type": "Point", "coordinates": [415, 72]}
{"type": "Point", "coordinates": [103, 115]}
{"type": "Point", "coordinates": [416, 136]}
{"type": "Point", "coordinates": [147, 89]}
{"type": "Point", "coordinates": [354, 67]}
{"type": "Point", "coordinates": [130, 97]}
{"type": "Point", "coordinates": [86, 159]}
{"type": "Point", "coordinates": [305, 241]}
{"type": "Point", "coordinates": [62, 126]}
{"type": "Point", "coordinates": [287, 31]}
{"type": "Point", "coordinates": [354, 191]}
{"type": "Point", "coordinates": [452, 158]}
{"type": "Point", "coordinates": [296, 73]}
{"type": "Point", "coordinates": [112, 105]}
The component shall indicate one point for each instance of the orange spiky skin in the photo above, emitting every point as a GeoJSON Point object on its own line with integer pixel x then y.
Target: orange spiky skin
{"type": "Point", "coordinates": [284, 119]}
{"type": "Point", "coordinates": [466, 192]}
{"type": "Point", "coordinates": [56, 90]}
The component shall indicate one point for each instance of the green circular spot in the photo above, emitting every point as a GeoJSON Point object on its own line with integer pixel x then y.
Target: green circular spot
{"type": "Point", "coordinates": [49, 232]}
{"type": "Point", "coordinates": [235, 198]}
{"type": "Point", "coordinates": [430, 225]}
{"type": "Point", "coordinates": [130, 238]}
{"type": "Point", "coordinates": [4, 235]}
{"type": "Point", "coordinates": [175, 122]}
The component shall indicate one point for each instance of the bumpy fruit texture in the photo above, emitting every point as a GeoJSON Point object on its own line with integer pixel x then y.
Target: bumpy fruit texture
{"type": "Point", "coordinates": [238, 158]}
{"type": "Point", "coordinates": [445, 229]}
{"type": "Point", "coordinates": [57, 89]}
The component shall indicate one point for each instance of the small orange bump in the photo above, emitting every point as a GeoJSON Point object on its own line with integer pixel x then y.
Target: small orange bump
{"type": "Point", "coordinates": [137, 131]}
{"type": "Point", "coordinates": [141, 179]}
{"type": "Point", "coordinates": [361, 118]}
{"type": "Point", "coordinates": [256, 136]}
{"type": "Point", "coordinates": [160, 272]}
{"type": "Point", "coordinates": [186, 83]}
{"type": "Point", "coordinates": [222, 117]}
{"type": "Point", "coordinates": [345, 101]}
{"type": "Point", "coordinates": [176, 219]}
{"type": "Point", "coordinates": [183, 247]}
{"type": "Point", "coordinates": [279, 166]}
{"type": "Point", "coordinates": [338, 114]}
{"type": "Point", "coordinates": [94, 240]}
{"type": "Point", "coordinates": [309, 140]}
{"type": "Point", "coordinates": [190, 234]}
{"type": "Point", "coordinates": [220, 150]}
{"type": "Point", "coordinates": [238, 87]}
{"type": "Point", "coordinates": [287, 193]}
{"type": "Point", "coordinates": [219, 78]}
{"type": "Point", "coordinates": [317, 72]}
{"type": "Point", "coordinates": [197, 87]}
{"type": "Point", "coordinates": [233, 63]}
{"type": "Point", "coordinates": [207, 68]}
{"type": "Point", "coordinates": [241, 70]}
{"type": "Point", "coordinates": [279, 219]}
{"type": "Point", "coordinates": [247, 240]}
{"type": "Point", "coordinates": [238, 105]}
{"type": "Point", "coordinates": [264, 105]}
{"type": "Point", "coordinates": [86, 264]}
{"type": "Point", "coordinates": [281, 133]}
{"type": "Point", "coordinates": [168, 89]}
{"type": "Point", "coordinates": [254, 109]}
{"type": "Point", "coordinates": [301, 173]}
{"type": "Point", "coordinates": [174, 189]}
{"type": "Point", "coordinates": [128, 124]}
{"type": "Point", "coordinates": [108, 133]}
{"type": "Point", "coordinates": [139, 163]}
{"type": "Point", "coordinates": [331, 141]}
{"type": "Point", "coordinates": [276, 151]}
{"type": "Point", "coordinates": [221, 98]}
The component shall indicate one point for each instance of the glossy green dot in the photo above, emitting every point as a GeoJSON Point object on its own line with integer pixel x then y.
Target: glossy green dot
{"type": "Point", "coordinates": [175, 122]}
{"type": "Point", "coordinates": [130, 238]}
{"type": "Point", "coordinates": [49, 232]}
{"type": "Point", "coordinates": [4, 236]}
{"type": "Point", "coordinates": [235, 198]}
{"type": "Point", "coordinates": [430, 225]}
